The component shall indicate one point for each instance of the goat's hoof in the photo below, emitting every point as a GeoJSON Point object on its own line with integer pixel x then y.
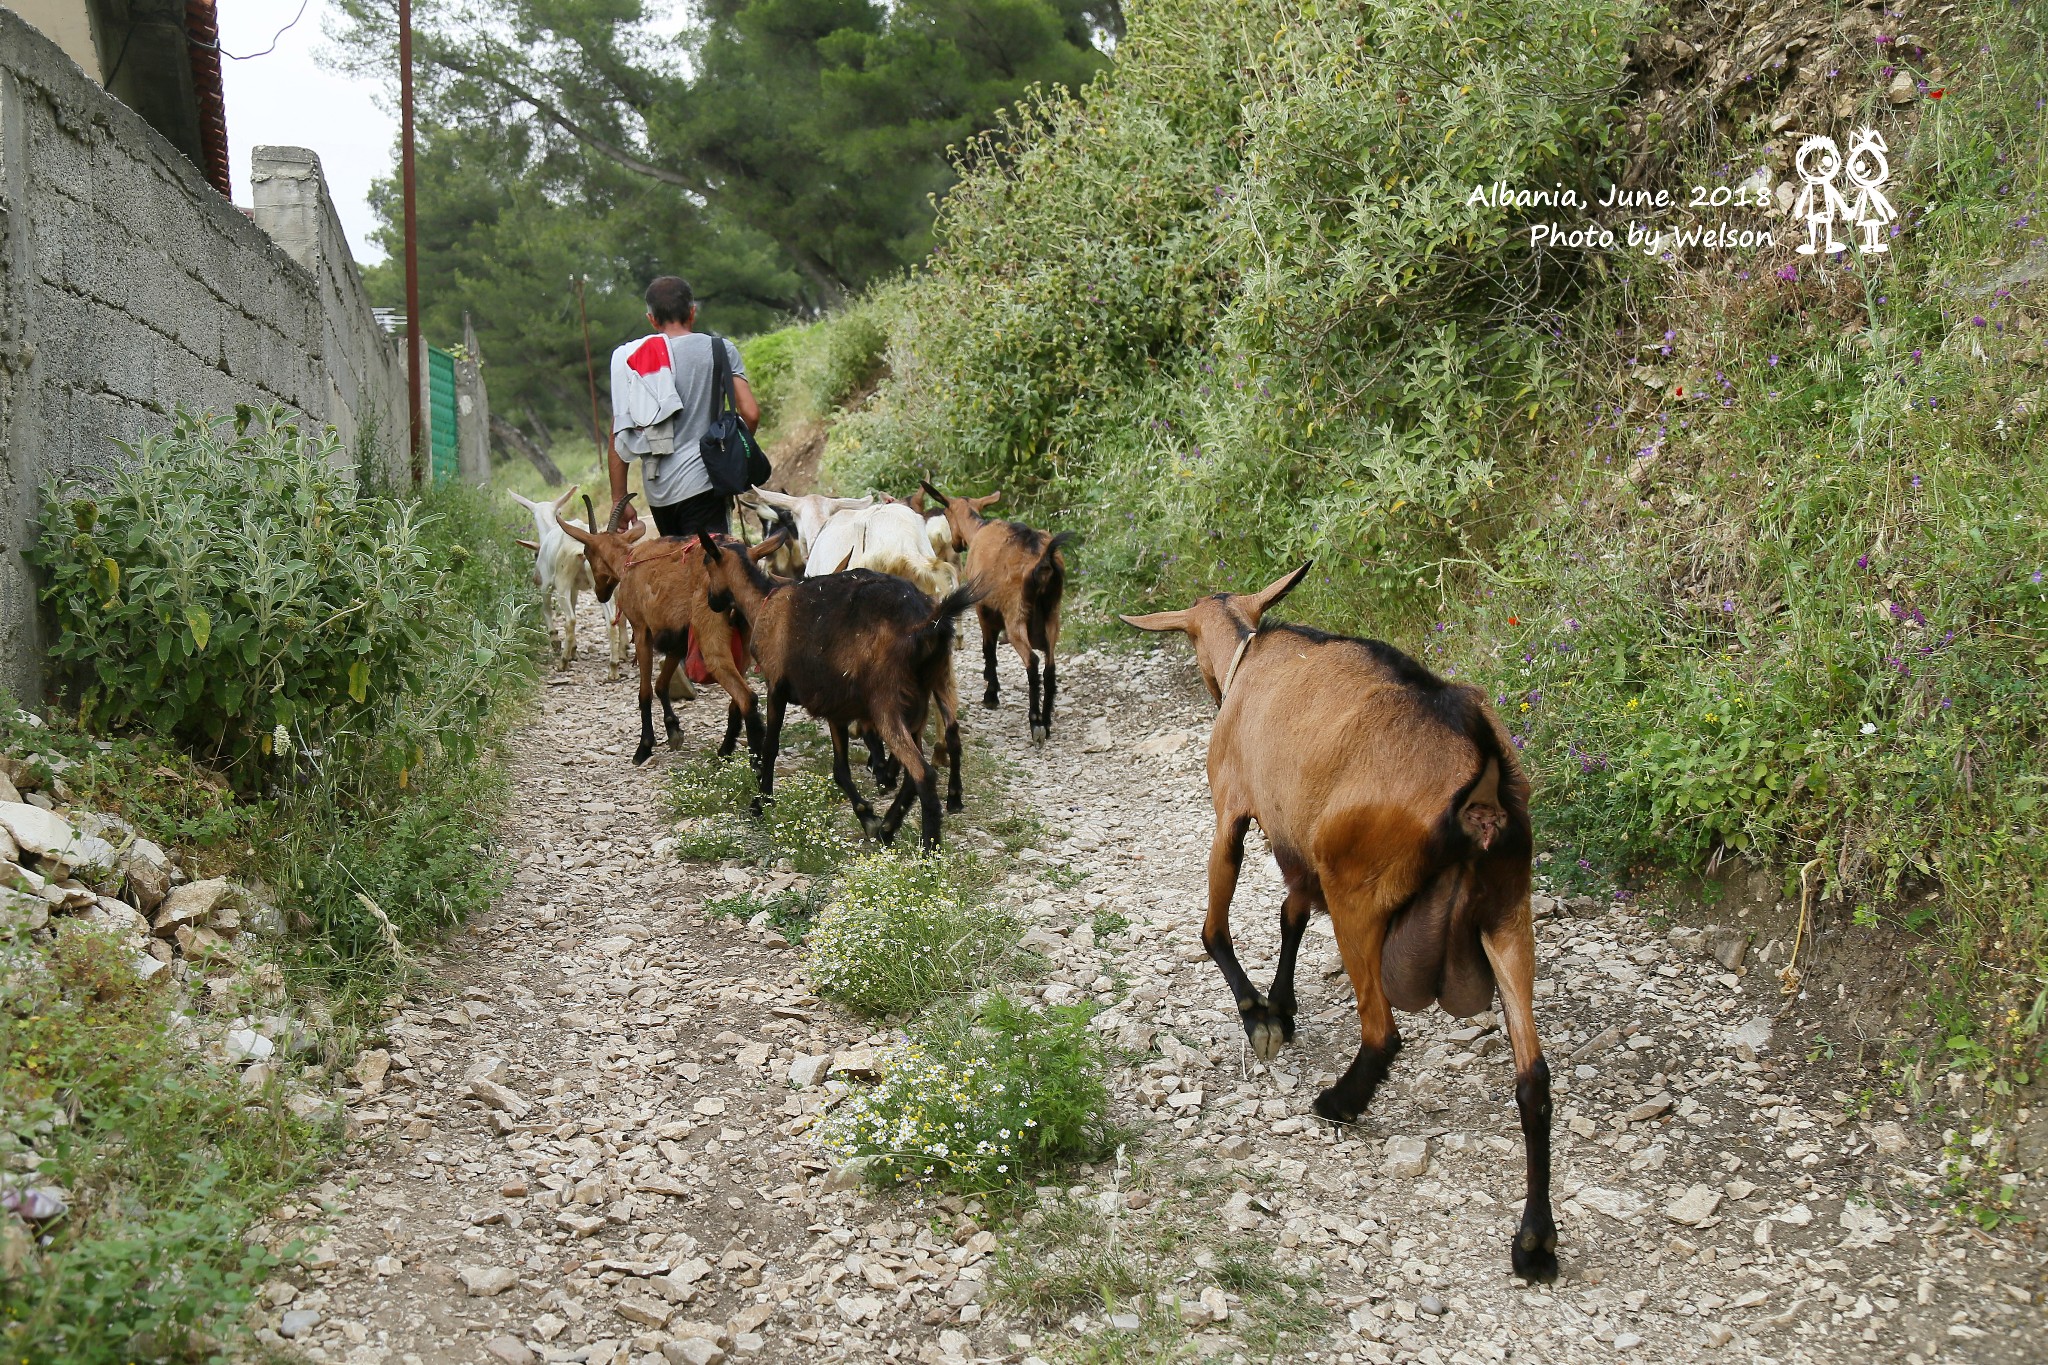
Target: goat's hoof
{"type": "Point", "coordinates": [675, 740]}
{"type": "Point", "coordinates": [1040, 733]}
{"type": "Point", "coordinates": [1335, 1107]}
{"type": "Point", "coordinates": [1267, 1037]}
{"type": "Point", "coordinates": [1534, 1255]}
{"type": "Point", "coordinates": [988, 699]}
{"type": "Point", "coordinates": [954, 805]}
{"type": "Point", "coordinates": [642, 754]}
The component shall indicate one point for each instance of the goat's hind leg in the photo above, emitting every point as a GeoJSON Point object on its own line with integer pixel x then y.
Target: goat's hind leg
{"type": "Point", "coordinates": [920, 782]}
{"type": "Point", "coordinates": [1511, 949]}
{"type": "Point", "coordinates": [881, 765]}
{"type": "Point", "coordinates": [1021, 642]}
{"type": "Point", "coordinates": [1226, 859]}
{"type": "Point", "coordinates": [991, 630]}
{"type": "Point", "coordinates": [842, 775]}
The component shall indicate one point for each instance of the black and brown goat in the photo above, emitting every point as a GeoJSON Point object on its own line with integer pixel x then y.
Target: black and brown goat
{"type": "Point", "coordinates": [1392, 800]}
{"type": "Point", "coordinates": [662, 592]}
{"type": "Point", "coordinates": [1021, 576]}
{"type": "Point", "coordinates": [853, 648]}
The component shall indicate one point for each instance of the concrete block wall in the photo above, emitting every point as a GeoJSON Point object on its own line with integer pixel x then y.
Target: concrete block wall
{"type": "Point", "coordinates": [130, 288]}
{"type": "Point", "coordinates": [364, 368]}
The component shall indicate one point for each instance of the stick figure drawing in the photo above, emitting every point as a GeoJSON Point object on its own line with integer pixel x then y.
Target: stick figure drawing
{"type": "Point", "coordinates": [1819, 202]}
{"type": "Point", "coordinates": [1867, 170]}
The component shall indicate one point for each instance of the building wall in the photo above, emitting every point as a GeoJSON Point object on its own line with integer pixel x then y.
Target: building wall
{"type": "Point", "coordinates": [363, 367]}
{"type": "Point", "coordinates": [67, 23]}
{"type": "Point", "coordinates": [130, 288]}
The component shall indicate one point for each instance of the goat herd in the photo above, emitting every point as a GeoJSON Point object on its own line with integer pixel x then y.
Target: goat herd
{"type": "Point", "coordinates": [1393, 800]}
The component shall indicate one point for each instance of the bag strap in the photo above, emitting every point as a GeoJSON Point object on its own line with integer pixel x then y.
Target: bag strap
{"type": "Point", "coordinates": [723, 398]}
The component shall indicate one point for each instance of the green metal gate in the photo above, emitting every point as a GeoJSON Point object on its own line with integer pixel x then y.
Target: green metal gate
{"type": "Point", "coordinates": [441, 413]}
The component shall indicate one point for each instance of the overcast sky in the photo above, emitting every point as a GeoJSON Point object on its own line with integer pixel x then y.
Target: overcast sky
{"type": "Point", "coordinates": [290, 98]}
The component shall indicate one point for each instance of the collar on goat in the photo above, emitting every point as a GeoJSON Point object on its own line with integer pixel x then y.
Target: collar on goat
{"type": "Point", "coordinates": [1235, 660]}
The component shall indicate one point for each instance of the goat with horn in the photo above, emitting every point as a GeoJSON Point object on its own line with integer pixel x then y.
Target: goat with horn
{"type": "Point", "coordinates": [661, 591]}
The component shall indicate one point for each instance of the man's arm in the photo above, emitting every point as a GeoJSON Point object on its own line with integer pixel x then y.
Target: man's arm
{"type": "Point", "coordinates": [620, 478]}
{"type": "Point", "coordinates": [743, 399]}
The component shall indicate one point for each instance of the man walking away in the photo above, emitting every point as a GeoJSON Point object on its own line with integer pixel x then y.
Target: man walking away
{"type": "Point", "coordinates": [661, 406]}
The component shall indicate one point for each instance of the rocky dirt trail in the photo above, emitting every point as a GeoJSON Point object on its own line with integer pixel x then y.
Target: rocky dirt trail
{"type": "Point", "coordinates": [586, 1143]}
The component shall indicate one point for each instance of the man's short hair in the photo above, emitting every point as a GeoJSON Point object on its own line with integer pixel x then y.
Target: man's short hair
{"type": "Point", "coordinates": [669, 299]}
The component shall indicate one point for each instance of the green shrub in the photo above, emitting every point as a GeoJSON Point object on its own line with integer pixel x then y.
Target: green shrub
{"type": "Point", "coordinates": [979, 1099]}
{"type": "Point", "coordinates": [803, 373]}
{"type": "Point", "coordinates": [165, 1162]}
{"type": "Point", "coordinates": [898, 934]}
{"type": "Point", "coordinates": [235, 591]}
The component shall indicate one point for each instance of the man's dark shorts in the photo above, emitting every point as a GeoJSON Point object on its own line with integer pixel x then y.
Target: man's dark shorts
{"type": "Point", "coordinates": [705, 512]}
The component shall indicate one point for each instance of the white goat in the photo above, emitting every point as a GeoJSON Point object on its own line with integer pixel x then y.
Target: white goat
{"type": "Point", "coordinates": [892, 539]}
{"type": "Point", "coordinates": [936, 529]}
{"type": "Point", "coordinates": [810, 511]}
{"type": "Point", "coordinates": [561, 571]}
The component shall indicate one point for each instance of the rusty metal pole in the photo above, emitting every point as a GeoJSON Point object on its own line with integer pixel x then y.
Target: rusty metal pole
{"type": "Point", "coordinates": [412, 243]}
{"type": "Point", "coordinates": [590, 370]}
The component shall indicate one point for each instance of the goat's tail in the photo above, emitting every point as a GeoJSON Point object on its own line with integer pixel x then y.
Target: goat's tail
{"type": "Point", "coordinates": [1046, 584]}
{"type": "Point", "coordinates": [934, 638]}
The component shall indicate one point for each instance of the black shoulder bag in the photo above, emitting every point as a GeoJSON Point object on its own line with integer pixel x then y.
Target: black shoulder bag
{"type": "Point", "coordinates": [732, 457]}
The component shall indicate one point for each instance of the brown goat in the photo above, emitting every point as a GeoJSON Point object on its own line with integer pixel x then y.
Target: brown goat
{"type": "Point", "coordinates": [1021, 575]}
{"type": "Point", "coordinates": [662, 591]}
{"type": "Point", "coordinates": [853, 648]}
{"type": "Point", "coordinates": [1392, 800]}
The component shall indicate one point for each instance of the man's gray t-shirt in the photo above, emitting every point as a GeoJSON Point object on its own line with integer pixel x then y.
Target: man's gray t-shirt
{"type": "Point", "coordinates": [673, 478]}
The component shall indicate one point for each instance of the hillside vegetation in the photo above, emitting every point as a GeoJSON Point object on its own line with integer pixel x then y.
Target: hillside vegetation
{"type": "Point", "coordinates": [1748, 549]}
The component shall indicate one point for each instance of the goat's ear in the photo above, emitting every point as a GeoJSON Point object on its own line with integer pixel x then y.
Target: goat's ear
{"type": "Point", "coordinates": [532, 545]}
{"type": "Point", "coordinates": [1262, 601]}
{"type": "Point", "coordinates": [712, 554]}
{"type": "Point", "coordinates": [916, 503]}
{"type": "Point", "coordinates": [768, 546]}
{"type": "Point", "coordinates": [773, 498]}
{"type": "Point", "coordinates": [523, 501]}
{"type": "Point", "coordinates": [991, 500]}
{"type": "Point", "coordinates": [1159, 620]}
{"type": "Point", "coordinates": [561, 503]}
{"type": "Point", "coordinates": [935, 494]}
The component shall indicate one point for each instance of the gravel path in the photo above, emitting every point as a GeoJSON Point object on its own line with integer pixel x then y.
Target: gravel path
{"type": "Point", "coordinates": [586, 1145]}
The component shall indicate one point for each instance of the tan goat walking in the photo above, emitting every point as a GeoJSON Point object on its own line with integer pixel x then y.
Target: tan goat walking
{"type": "Point", "coordinates": [1020, 575]}
{"type": "Point", "coordinates": [661, 590]}
{"type": "Point", "coordinates": [1392, 800]}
